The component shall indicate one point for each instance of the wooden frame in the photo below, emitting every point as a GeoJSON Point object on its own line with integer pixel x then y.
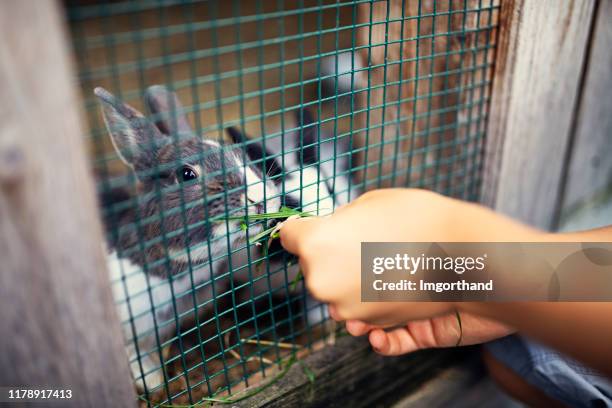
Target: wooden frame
{"type": "Point", "coordinates": [548, 100]}
{"type": "Point", "coordinates": [59, 325]}
{"type": "Point", "coordinates": [589, 171]}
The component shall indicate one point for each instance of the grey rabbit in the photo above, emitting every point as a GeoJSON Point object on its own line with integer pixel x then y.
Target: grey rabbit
{"type": "Point", "coordinates": [159, 254]}
{"type": "Point", "coordinates": [150, 258]}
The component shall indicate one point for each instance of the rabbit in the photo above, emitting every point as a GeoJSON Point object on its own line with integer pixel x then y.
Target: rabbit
{"type": "Point", "coordinates": [311, 167]}
{"type": "Point", "coordinates": [163, 247]}
{"type": "Point", "coordinates": [313, 171]}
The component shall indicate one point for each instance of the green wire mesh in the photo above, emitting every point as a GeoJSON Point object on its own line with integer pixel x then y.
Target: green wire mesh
{"type": "Point", "coordinates": [402, 86]}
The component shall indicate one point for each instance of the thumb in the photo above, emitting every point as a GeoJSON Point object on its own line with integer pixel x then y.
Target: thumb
{"type": "Point", "coordinates": [295, 231]}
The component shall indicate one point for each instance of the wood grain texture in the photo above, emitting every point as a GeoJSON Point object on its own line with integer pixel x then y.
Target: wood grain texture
{"type": "Point", "coordinates": [535, 100]}
{"type": "Point", "coordinates": [590, 167]}
{"type": "Point", "coordinates": [350, 374]}
{"type": "Point", "coordinates": [59, 328]}
{"type": "Point", "coordinates": [507, 41]}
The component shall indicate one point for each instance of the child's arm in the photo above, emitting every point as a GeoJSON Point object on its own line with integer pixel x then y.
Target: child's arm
{"type": "Point", "coordinates": [329, 252]}
{"type": "Point", "coordinates": [582, 330]}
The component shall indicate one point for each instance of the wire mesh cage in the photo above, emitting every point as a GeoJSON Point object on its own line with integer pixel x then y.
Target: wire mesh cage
{"type": "Point", "coordinates": [211, 121]}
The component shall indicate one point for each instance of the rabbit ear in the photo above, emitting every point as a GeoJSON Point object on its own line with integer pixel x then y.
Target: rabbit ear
{"type": "Point", "coordinates": [307, 136]}
{"type": "Point", "coordinates": [169, 114]}
{"type": "Point", "coordinates": [255, 151]}
{"type": "Point", "coordinates": [135, 138]}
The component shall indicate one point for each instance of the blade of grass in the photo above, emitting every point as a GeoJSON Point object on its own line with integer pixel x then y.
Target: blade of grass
{"type": "Point", "coordinates": [263, 234]}
{"type": "Point", "coordinates": [308, 372]}
{"type": "Point", "coordinates": [294, 282]}
{"type": "Point", "coordinates": [272, 232]}
{"type": "Point", "coordinates": [284, 212]}
{"type": "Point", "coordinates": [460, 328]}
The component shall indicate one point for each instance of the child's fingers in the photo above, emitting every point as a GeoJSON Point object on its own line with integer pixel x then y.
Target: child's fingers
{"type": "Point", "coordinates": [294, 231]}
{"type": "Point", "coordinates": [357, 327]}
{"type": "Point", "coordinates": [424, 333]}
{"type": "Point", "coordinates": [392, 343]}
{"type": "Point", "coordinates": [379, 341]}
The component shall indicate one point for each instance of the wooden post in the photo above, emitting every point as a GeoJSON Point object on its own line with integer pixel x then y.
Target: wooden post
{"type": "Point", "coordinates": [536, 92]}
{"type": "Point", "coordinates": [590, 168]}
{"type": "Point", "coordinates": [59, 328]}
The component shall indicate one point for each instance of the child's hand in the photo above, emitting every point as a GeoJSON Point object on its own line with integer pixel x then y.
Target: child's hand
{"type": "Point", "coordinates": [329, 249]}
{"type": "Point", "coordinates": [439, 331]}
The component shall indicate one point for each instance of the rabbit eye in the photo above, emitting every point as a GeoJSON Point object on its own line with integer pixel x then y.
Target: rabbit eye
{"type": "Point", "coordinates": [186, 173]}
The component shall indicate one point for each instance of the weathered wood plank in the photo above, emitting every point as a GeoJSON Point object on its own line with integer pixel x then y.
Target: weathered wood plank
{"type": "Point", "coordinates": [351, 374]}
{"type": "Point", "coordinates": [536, 93]}
{"type": "Point", "coordinates": [590, 167]}
{"type": "Point", "coordinates": [59, 328]}
{"type": "Point", "coordinates": [507, 41]}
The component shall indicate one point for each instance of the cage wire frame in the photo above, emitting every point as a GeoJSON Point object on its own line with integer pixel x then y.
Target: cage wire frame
{"type": "Point", "coordinates": [128, 46]}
